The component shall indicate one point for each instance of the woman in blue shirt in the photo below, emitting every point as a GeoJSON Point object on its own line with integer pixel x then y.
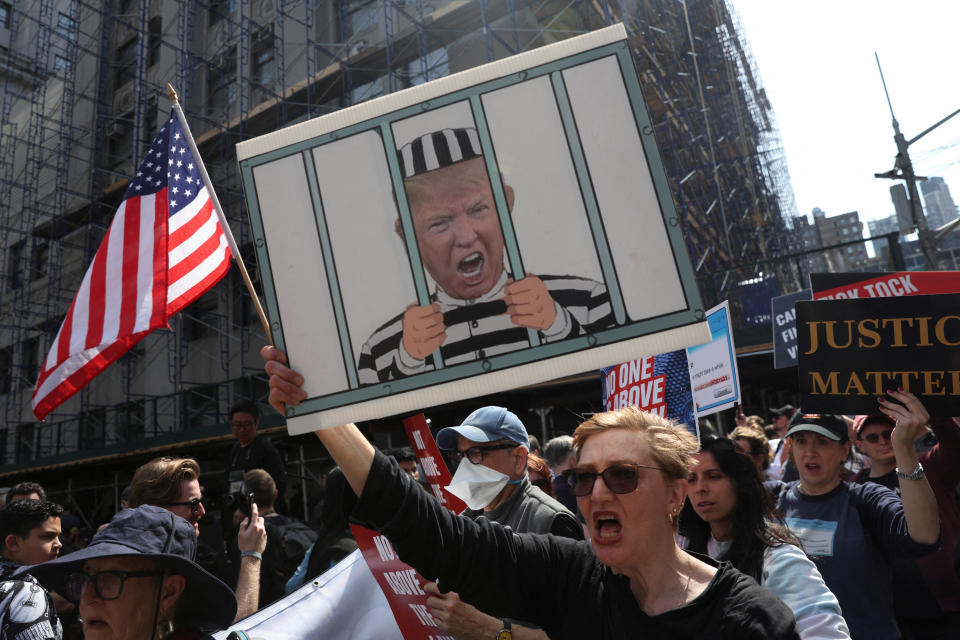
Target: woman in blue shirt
{"type": "Point", "coordinates": [851, 531]}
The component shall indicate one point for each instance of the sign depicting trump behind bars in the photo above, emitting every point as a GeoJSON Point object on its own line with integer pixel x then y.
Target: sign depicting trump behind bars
{"type": "Point", "coordinates": [499, 227]}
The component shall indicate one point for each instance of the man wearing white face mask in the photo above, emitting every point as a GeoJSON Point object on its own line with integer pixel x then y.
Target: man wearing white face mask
{"type": "Point", "coordinates": [492, 479]}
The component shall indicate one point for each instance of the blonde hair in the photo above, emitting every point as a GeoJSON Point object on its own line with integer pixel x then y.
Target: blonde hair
{"type": "Point", "coordinates": [671, 444]}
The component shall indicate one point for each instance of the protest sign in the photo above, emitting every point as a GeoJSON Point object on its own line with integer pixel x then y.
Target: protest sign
{"type": "Point", "coordinates": [659, 384]}
{"type": "Point", "coordinates": [754, 299]}
{"type": "Point", "coordinates": [343, 602]}
{"type": "Point", "coordinates": [844, 286]}
{"type": "Point", "coordinates": [713, 366]}
{"type": "Point", "coordinates": [680, 385]}
{"type": "Point", "coordinates": [431, 461]}
{"type": "Point", "coordinates": [499, 227]}
{"type": "Point", "coordinates": [401, 584]}
{"type": "Point", "coordinates": [851, 351]}
{"type": "Point", "coordinates": [785, 328]}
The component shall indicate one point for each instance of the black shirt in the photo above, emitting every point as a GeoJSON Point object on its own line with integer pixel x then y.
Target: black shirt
{"type": "Point", "coordinates": [554, 582]}
{"type": "Point", "coordinates": [259, 454]}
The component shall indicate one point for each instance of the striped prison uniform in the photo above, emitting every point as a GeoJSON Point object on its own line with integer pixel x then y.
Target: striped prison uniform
{"type": "Point", "coordinates": [480, 328]}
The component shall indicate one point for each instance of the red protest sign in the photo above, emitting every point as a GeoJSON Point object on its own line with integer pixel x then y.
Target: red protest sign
{"type": "Point", "coordinates": [434, 468]}
{"type": "Point", "coordinates": [846, 286]}
{"type": "Point", "coordinates": [634, 383]}
{"type": "Point", "coordinates": [401, 584]}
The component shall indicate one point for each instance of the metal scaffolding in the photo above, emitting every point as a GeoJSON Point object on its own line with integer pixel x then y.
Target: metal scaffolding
{"type": "Point", "coordinates": [83, 96]}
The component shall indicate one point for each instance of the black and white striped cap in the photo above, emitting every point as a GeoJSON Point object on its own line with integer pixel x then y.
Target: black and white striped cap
{"type": "Point", "coordinates": [438, 149]}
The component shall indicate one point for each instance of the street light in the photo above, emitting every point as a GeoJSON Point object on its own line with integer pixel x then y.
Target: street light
{"type": "Point", "coordinates": [903, 170]}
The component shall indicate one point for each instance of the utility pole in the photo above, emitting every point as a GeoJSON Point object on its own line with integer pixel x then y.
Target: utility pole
{"type": "Point", "coordinates": [903, 170]}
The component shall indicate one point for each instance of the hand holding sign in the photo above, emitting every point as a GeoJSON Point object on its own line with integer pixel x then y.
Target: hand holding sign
{"type": "Point", "coordinates": [530, 304]}
{"type": "Point", "coordinates": [285, 383]}
{"type": "Point", "coordinates": [423, 330]}
{"type": "Point", "coordinates": [910, 417]}
{"type": "Point", "coordinates": [458, 618]}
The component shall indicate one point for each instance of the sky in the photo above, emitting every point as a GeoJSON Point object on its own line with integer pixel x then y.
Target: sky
{"type": "Point", "coordinates": [816, 61]}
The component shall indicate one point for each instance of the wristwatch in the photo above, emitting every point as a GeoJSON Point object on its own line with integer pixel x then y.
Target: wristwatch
{"type": "Point", "coordinates": [916, 474]}
{"type": "Point", "coordinates": [505, 633]}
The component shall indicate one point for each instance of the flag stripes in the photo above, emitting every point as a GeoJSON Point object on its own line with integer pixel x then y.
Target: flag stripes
{"type": "Point", "coordinates": [163, 250]}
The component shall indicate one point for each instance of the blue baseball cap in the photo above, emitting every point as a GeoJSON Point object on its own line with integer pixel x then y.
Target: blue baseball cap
{"type": "Point", "coordinates": [485, 425]}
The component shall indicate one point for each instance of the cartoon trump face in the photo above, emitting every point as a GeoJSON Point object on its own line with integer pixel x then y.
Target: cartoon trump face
{"type": "Point", "coordinates": [454, 214]}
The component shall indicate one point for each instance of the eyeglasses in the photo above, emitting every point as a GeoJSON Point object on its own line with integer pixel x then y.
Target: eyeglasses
{"type": "Point", "coordinates": [874, 438]}
{"type": "Point", "coordinates": [108, 585]}
{"type": "Point", "coordinates": [619, 478]}
{"type": "Point", "coordinates": [475, 454]}
{"type": "Point", "coordinates": [243, 425]}
{"type": "Point", "coordinates": [195, 505]}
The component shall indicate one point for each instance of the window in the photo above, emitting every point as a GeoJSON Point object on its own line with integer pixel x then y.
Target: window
{"type": "Point", "coordinates": [126, 63]}
{"type": "Point", "coordinates": [200, 319]}
{"type": "Point", "coordinates": [263, 63]}
{"type": "Point", "coordinates": [434, 64]}
{"type": "Point", "coordinates": [15, 264]}
{"type": "Point", "coordinates": [255, 388]}
{"type": "Point", "coordinates": [220, 9]}
{"type": "Point", "coordinates": [66, 27]}
{"type": "Point", "coordinates": [367, 91]}
{"type": "Point", "coordinates": [201, 407]}
{"type": "Point", "coordinates": [59, 63]}
{"type": "Point", "coordinates": [5, 15]}
{"type": "Point", "coordinates": [154, 39]}
{"type": "Point", "coordinates": [30, 359]}
{"type": "Point", "coordinates": [359, 15]}
{"type": "Point", "coordinates": [25, 442]}
{"type": "Point", "coordinates": [222, 89]}
{"type": "Point", "coordinates": [131, 419]}
{"type": "Point", "coordinates": [40, 260]}
{"type": "Point", "coordinates": [6, 370]}
{"type": "Point", "coordinates": [150, 122]}
{"type": "Point", "coordinates": [120, 139]}
{"type": "Point", "coordinates": [92, 429]}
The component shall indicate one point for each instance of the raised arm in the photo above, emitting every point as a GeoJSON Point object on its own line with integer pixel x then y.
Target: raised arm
{"type": "Point", "coordinates": [349, 449]}
{"type": "Point", "coordinates": [919, 502]}
{"type": "Point", "coordinates": [440, 544]}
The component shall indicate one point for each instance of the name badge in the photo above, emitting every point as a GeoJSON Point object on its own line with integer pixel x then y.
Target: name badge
{"type": "Point", "coordinates": [816, 535]}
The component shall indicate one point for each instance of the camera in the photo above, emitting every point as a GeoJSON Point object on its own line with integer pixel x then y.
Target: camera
{"type": "Point", "coordinates": [239, 500]}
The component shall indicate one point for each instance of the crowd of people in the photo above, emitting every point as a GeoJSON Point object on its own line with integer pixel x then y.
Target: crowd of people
{"type": "Point", "coordinates": [628, 528]}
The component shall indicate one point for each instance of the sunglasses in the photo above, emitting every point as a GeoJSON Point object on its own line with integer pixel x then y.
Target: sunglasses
{"type": "Point", "coordinates": [194, 505]}
{"type": "Point", "coordinates": [108, 585]}
{"type": "Point", "coordinates": [619, 478]}
{"type": "Point", "coordinates": [874, 438]}
{"type": "Point", "coordinates": [475, 454]}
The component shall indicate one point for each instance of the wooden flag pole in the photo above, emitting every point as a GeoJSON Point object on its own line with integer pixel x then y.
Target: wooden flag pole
{"type": "Point", "coordinates": [223, 219]}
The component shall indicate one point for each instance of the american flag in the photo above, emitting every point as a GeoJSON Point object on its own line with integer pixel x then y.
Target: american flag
{"type": "Point", "coordinates": [164, 249]}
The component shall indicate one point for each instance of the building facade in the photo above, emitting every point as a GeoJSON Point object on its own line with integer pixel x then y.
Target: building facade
{"type": "Point", "coordinates": [937, 202]}
{"type": "Point", "coordinates": [84, 94]}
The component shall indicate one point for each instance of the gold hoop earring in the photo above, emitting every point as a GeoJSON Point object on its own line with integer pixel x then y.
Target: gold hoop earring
{"type": "Point", "coordinates": [673, 514]}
